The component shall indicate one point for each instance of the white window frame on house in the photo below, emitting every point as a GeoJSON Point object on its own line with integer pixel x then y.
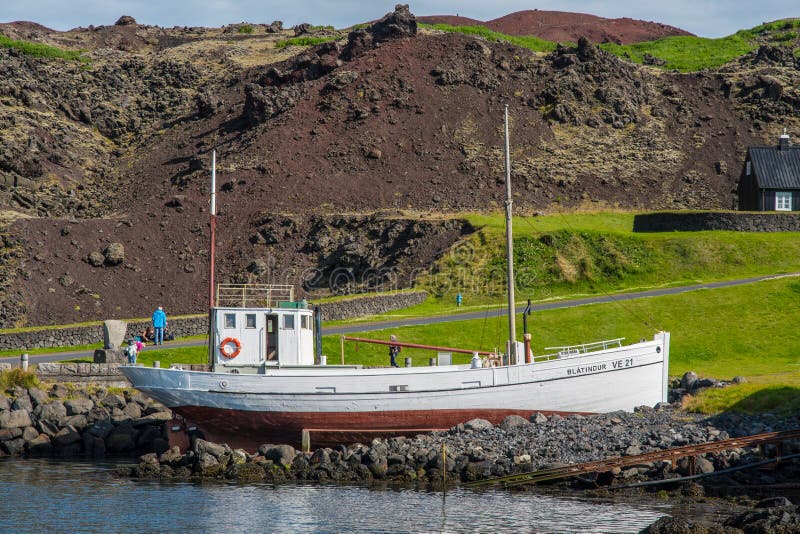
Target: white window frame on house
{"type": "Point", "coordinates": [783, 201]}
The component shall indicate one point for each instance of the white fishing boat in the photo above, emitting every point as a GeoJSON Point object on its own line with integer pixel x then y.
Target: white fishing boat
{"type": "Point", "coordinates": [269, 382]}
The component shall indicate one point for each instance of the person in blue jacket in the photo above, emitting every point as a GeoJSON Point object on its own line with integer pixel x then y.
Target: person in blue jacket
{"type": "Point", "coordinates": [159, 324]}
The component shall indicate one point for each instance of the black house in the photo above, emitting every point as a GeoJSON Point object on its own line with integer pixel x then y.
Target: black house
{"type": "Point", "coordinates": [771, 178]}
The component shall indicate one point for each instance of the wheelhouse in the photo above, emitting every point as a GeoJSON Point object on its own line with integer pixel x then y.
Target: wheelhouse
{"type": "Point", "coordinates": [256, 327]}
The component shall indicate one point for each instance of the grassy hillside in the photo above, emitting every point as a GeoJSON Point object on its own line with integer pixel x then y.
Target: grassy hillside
{"type": "Point", "coordinates": [558, 256]}
{"type": "Point", "coordinates": [41, 50]}
{"type": "Point", "coordinates": [682, 53]}
{"type": "Point", "coordinates": [744, 330]}
{"type": "Point", "coordinates": [529, 42]}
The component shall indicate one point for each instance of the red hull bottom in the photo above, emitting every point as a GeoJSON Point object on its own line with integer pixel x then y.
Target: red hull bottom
{"type": "Point", "coordinates": [248, 430]}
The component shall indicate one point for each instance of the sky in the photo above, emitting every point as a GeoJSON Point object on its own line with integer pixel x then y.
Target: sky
{"type": "Point", "coordinates": [707, 18]}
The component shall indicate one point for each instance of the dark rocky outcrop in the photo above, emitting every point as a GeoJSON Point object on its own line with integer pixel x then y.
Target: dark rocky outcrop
{"type": "Point", "coordinates": [125, 20]}
{"type": "Point", "coordinates": [399, 24]}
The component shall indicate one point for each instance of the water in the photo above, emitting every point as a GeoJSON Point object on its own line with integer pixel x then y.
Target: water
{"type": "Point", "coordinates": [69, 496]}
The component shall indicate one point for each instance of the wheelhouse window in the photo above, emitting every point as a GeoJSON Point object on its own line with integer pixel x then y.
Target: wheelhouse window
{"type": "Point", "coordinates": [288, 322]}
{"type": "Point", "coordinates": [783, 201]}
{"type": "Point", "coordinates": [250, 320]}
{"type": "Point", "coordinates": [305, 322]}
{"type": "Point", "coordinates": [230, 320]}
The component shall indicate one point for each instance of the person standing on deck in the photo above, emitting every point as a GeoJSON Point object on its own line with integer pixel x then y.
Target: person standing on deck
{"type": "Point", "coordinates": [394, 350]}
{"type": "Point", "coordinates": [159, 324]}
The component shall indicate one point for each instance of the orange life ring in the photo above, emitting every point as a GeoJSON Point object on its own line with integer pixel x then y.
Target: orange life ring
{"type": "Point", "coordinates": [225, 349]}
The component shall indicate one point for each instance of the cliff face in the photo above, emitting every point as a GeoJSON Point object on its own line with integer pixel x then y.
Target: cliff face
{"type": "Point", "coordinates": [118, 150]}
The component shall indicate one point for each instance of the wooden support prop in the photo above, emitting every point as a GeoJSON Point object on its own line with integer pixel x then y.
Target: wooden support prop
{"type": "Point", "coordinates": [305, 441]}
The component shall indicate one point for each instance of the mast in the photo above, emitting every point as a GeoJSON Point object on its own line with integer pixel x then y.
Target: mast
{"type": "Point", "coordinates": [212, 247]}
{"type": "Point", "coordinates": [213, 228]}
{"type": "Point", "coordinates": [512, 329]}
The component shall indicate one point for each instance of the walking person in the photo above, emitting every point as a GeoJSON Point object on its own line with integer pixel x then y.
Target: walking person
{"type": "Point", "coordinates": [159, 324]}
{"type": "Point", "coordinates": [394, 350]}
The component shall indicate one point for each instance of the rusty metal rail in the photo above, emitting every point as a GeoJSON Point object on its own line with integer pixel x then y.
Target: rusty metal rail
{"type": "Point", "coordinates": [600, 466]}
{"type": "Point", "coordinates": [415, 345]}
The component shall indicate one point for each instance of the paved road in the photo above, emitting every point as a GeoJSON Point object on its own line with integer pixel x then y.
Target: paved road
{"type": "Point", "coordinates": [395, 323]}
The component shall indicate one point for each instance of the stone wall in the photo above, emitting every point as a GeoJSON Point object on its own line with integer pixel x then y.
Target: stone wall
{"type": "Point", "coordinates": [717, 220]}
{"type": "Point", "coordinates": [363, 306]}
{"type": "Point", "coordinates": [107, 373]}
{"type": "Point", "coordinates": [198, 324]}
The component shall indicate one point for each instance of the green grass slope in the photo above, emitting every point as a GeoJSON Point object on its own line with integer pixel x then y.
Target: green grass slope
{"type": "Point", "coordinates": [681, 53]}
{"type": "Point", "coordinates": [574, 255]}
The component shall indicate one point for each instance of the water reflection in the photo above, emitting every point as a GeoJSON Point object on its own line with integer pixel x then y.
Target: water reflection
{"type": "Point", "coordinates": [61, 496]}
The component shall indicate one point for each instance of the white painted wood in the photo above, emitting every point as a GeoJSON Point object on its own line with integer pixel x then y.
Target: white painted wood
{"type": "Point", "coordinates": [619, 378]}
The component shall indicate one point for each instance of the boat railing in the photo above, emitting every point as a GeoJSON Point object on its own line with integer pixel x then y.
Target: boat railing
{"type": "Point", "coordinates": [253, 295]}
{"type": "Point", "coordinates": [571, 351]}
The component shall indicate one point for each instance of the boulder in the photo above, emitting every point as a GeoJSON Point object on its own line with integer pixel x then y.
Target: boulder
{"type": "Point", "coordinates": [13, 446]}
{"type": "Point", "coordinates": [133, 410]}
{"type": "Point", "coordinates": [67, 436]}
{"type": "Point", "coordinates": [10, 433]}
{"type": "Point", "coordinates": [282, 454]}
{"type": "Point", "coordinates": [29, 433]}
{"type": "Point", "coordinates": [153, 418]}
{"type": "Point", "coordinates": [114, 254]}
{"type": "Point", "coordinates": [38, 396]}
{"type": "Point", "coordinates": [15, 419]}
{"type": "Point", "coordinates": [5, 404]}
{"type": "Point", "coordinates": [125, 20]}
{"type": "Point", "coordinates": [513, 421]}
{"type": "Point", "coordinates": [539, 418]}
{"type": "Point", "coordinates": [22, 402]}
{"type": "Point", "coordinates": [478, 424]}
{"type": "Point", "coordinates": [101, 428]}
{"type": "Point", "coordinates": [78, 406]}
{"type": "Point", "coordinates": [77, 421]}
{"type": "Point", "coordinates": [207, 465]}
{"type": "Point", "coordinates": [52, 411]}
{"type": "Point", "coordinates": [688, 380]}
{"type": "Point", "coordinates": [114, 334]}
{"type": "Point", "coordinates": [214, 449]}
{"type": "Point", "coordinates": [95, 259]}
{"type": "Point", "coordinates": [40, 445]}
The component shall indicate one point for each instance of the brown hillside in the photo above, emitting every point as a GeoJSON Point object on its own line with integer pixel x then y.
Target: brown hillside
{"type": "Point", "coordinates": [561, 26]}
{"type": "Point", "coordinates": [339, 162]}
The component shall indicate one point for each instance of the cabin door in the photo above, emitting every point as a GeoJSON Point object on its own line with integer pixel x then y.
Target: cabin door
{"type": "Point", "coordinates": [272, 338]}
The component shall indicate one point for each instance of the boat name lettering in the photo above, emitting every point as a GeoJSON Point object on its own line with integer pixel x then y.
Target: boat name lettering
{"type": "Point", "coordinates": [586, 369]}
{"type": "Point", "coordinates": [619, 364]}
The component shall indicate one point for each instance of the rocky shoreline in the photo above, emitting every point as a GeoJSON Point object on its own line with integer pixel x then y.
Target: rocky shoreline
{"type": "Point", "coordinates": [478, 450]}
{"type": "Point", "coordinates": [66, 421]}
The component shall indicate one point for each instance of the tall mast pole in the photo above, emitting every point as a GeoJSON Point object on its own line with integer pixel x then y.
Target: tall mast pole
{"type": "Point", "coordinates": [512, 329]}
{"type": "Point", "coordinates": [213, 228]}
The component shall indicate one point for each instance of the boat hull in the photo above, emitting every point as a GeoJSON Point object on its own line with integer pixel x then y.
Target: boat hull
{"type": "Point", "coordinates": [248, 430]}
{"type": "Point", "coordinates": [341, 405]}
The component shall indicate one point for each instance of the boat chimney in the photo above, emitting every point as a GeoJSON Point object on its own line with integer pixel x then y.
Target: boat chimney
{"type": "Point", "coordinates": [783, 142]}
